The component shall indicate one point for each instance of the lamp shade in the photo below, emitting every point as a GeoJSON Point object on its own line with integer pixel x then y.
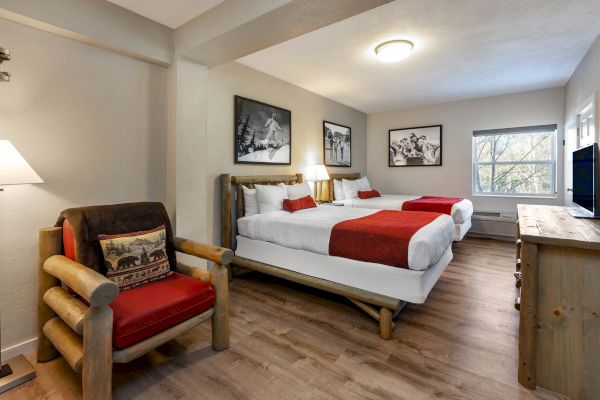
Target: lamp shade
{"type": "Point", "coordinates": [14, 169]}
{"type": "Point", "coordinates": [317, 173]}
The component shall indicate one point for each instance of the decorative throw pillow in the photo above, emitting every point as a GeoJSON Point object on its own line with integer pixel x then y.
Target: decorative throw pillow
{"type": "Point", "coordinates": [298, 191]}
{"type": "Point", "coordinates": [368, 194]}
{"type": "Point", "coordinates": [350, 189]}
{"type": "Point", "coordinates": [338, 190]}
{"type": "Point", "coordinates": [363, 184]}
{"type": "Point", "coordinates": [299, 204]}
{"type": "Point", "coordinates": [250, 202]}
{"type": "Point", "coordinates": [270, 197]}
{"type": "Point", "coordinates": [133, 259]}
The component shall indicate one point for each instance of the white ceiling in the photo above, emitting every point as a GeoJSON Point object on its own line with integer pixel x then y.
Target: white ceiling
{"type": "Point", "coordinates": [463, 49]}
{"type": "Point", "coordinates": [172, 13]}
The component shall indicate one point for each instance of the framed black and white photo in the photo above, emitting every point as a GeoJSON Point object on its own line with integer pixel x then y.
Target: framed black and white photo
{"type": "Point", "coordinates": [263, 133]}
{"type": "Point", "coordinates": [337, 145]}
{"type": "Point", "coordinates": [420, 146]}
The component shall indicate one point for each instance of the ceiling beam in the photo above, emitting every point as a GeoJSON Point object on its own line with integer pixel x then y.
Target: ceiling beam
{"type": "Point", "coordinates": [233, 29]}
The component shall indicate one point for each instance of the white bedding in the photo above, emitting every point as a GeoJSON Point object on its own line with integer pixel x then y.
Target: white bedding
{"type": "Point", "coordinates": [460, 213]}
{"type": "Point", "coordinates": [310, 230]}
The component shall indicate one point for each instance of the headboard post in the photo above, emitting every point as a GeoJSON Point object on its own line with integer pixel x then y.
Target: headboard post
{"type": "Point", "coordinates": [226, 211]}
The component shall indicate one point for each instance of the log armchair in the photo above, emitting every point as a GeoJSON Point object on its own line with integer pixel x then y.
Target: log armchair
{"type": "Point", "coordinates": [87, 318]}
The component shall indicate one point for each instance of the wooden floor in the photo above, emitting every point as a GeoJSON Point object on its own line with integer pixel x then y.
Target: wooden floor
{"type": "Point", "coordinates": [289, 342]}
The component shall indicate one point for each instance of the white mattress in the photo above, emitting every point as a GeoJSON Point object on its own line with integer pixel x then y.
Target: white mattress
{"type": "Point", "coordinates": [399, 283]}
{"type": "Point", "coordinates": [310, 230]}
{"type": "Point", "coordinates": [461, 211]}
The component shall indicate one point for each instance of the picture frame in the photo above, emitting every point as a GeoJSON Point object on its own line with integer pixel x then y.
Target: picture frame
{"type": "Point", "coordinates": [337, 145]}
{"type": "Point", "coordinates": [417, 146]}
{"type": "Point", "coordinates": [262, 133]}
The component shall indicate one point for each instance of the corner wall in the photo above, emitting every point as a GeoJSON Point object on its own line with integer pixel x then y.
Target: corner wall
{"type": "Point", "coordinates": [459, 120]}
{"type": "Point", "coordinates": [92, 123]}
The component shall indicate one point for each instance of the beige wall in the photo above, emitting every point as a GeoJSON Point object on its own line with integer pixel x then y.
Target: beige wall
{"type": "Point", "coordinates": [583, 86]}
{"type": "Point", "coordinates": [92, 124]}
{"type": "Point", "coordinates": [308, 112]}
{"type": "Point", "coordinates": [459, 120]}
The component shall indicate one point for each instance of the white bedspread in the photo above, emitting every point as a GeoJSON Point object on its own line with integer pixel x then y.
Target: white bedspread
{"type": "Point", "coordinates": [461, 211]}
{"type": "Point", "coordinates": [310, 230]}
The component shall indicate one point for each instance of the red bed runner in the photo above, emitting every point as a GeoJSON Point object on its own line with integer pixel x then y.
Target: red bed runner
{"type": "Point", "coordinates": [441, 205]}
{"type": "Point", "coordinates": [381, 238]}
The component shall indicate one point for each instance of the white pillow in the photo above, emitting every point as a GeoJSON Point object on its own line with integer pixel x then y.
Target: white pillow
{"type": "Point", "coordinates": [298, 191]}
{"type": "Point", "coordinates": [350, 189]}
{"type": "Point", "coordinates": [270, 198]}
{"type": "Point", "coordinates": [363, 184]}
{"type": "Point", "coordinates": [338, 190]}
{"type": "Point", "coordinates": [250, 203]}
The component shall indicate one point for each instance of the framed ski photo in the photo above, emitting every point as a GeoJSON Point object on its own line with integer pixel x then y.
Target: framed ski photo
{"type": "Point", "coordinates": [337, 145]}
{"type": "Point", "coordinates": [263, 133]}
{"type": "Point", "coordinates": [420, 146]}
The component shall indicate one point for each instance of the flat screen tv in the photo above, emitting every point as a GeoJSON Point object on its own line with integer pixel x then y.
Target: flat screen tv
{"type": "Point", "coordinates": [586, 181]}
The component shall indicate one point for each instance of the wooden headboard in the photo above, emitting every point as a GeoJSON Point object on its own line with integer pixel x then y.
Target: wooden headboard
{"type": "Point", "coordinates": [232, 186]}
{"type": "Point", "coordinates": [339, 177]}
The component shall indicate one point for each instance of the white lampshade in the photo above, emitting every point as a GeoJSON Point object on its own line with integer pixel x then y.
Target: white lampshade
{"type": "Point", "coordinates": [317, 173]}
{"type": "Point", "coordinates": [14, 169]}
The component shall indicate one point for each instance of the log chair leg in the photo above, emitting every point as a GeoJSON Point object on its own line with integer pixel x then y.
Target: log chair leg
{"type": "Point", "coordinates": [220, 318]}
{"type": "Point", "coordinates": [385, 323]}
{"type": "Point", "coordinates": [97, 354]}
{"type": "Point", "coordinates": [50, 244]}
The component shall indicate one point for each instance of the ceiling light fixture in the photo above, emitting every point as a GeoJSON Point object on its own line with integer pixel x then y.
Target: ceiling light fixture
{"type": "Point", "coordinates": [394, 50]}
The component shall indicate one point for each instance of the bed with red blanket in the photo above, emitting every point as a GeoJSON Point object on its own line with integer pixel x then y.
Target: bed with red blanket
{"type": "Point", "coordinates": [459, 209]}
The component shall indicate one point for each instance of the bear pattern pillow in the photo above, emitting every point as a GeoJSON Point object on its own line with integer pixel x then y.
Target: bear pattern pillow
{"type": "Point", "coordinates": [136, 258]}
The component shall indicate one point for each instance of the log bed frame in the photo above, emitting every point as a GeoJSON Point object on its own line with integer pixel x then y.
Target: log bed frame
{"type": "Point", "coordinates": [380, 307]}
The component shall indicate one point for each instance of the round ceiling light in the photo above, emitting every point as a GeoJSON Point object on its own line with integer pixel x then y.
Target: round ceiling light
{"type": "Point", "coordinates": [394, 50]}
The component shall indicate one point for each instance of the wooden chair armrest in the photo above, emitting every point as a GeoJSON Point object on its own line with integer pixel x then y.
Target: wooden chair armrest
{"type": "Point", "coordinates": [194, 272]}
{"type": "Point", "coordinates": [216, 254]}
{"type": "Point", "coordinates": [89, 284]}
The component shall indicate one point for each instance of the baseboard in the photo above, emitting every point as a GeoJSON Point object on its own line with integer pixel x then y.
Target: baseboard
{"type": "Point", "coordinates": [504, 238]}
{"type": "Point", "coordinates": [25, 347]}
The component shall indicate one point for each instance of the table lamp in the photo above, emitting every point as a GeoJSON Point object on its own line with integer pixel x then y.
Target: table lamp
{"type": "Point", "coordinates": [14, 170]}
{"type": "Point", "coordinates": [317, 174]}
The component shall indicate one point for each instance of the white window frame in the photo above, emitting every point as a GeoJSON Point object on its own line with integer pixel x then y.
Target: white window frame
{"type": "Point", "coordinates": [526, 129]}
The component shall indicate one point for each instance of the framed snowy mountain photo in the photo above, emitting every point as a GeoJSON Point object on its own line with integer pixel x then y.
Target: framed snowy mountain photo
{"type": "Point", "coordinates": [263, 133]}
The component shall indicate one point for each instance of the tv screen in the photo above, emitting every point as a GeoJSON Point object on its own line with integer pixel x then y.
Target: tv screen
{"type": "Point", "coordinates": [584, 174]}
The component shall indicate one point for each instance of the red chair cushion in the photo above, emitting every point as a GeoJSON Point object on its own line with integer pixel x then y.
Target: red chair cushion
{"type": "Point", "coordinates": [144, 311]}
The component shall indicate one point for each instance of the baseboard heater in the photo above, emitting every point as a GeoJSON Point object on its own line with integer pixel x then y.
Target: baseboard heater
{"type": "Point", "coordinates": [493, 224]}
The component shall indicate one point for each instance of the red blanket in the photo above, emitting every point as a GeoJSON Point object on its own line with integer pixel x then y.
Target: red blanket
{"type": "Point", "coordinates": [381, 238]}
{"type": "Point", "coordinates": [441, 205]}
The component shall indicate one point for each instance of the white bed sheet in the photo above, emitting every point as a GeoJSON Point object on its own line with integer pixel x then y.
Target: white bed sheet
{"type": "Point", "coordinates": [461, 211]}
{"type": "Point", "coordinates": [310, 230]}
{"type": "Point", "coordinates": [399, 283]}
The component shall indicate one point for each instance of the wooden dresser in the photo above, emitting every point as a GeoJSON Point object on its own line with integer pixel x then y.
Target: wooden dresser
{"type": "Point", "coordinates": [559, 333]}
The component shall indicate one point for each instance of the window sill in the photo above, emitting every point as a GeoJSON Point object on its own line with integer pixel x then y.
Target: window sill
{"type": "Point", "coordinates": [517, 196]}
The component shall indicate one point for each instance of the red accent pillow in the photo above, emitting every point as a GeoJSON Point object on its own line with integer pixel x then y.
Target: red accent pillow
{"type": "Point", "coordinates": [368, 194]}
{"type": "Point", "coordinates": [299, 204]}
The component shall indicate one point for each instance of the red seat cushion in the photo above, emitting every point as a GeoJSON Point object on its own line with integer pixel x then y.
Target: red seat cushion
{"type": "Point", "coordinates": [144, 311]}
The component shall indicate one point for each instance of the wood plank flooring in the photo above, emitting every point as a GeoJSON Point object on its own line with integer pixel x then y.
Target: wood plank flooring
{"type": "Point", "coordinates": [291, 342]}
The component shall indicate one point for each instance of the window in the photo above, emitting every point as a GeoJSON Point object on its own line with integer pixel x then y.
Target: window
{"type": "Point", "coordinates": [515, 161]}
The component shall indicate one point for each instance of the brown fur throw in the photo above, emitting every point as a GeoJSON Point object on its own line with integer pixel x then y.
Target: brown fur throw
{"type": "Point", "coordinates": [89, 222]}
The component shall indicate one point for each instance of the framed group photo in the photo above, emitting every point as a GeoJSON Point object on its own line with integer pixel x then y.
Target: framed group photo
{"type": "Point", "coordinates": [263, 133]}
{"type": "Point", "coordinates": [420, 146]}
{"type": "Point", "coordinates": [337, 145]}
